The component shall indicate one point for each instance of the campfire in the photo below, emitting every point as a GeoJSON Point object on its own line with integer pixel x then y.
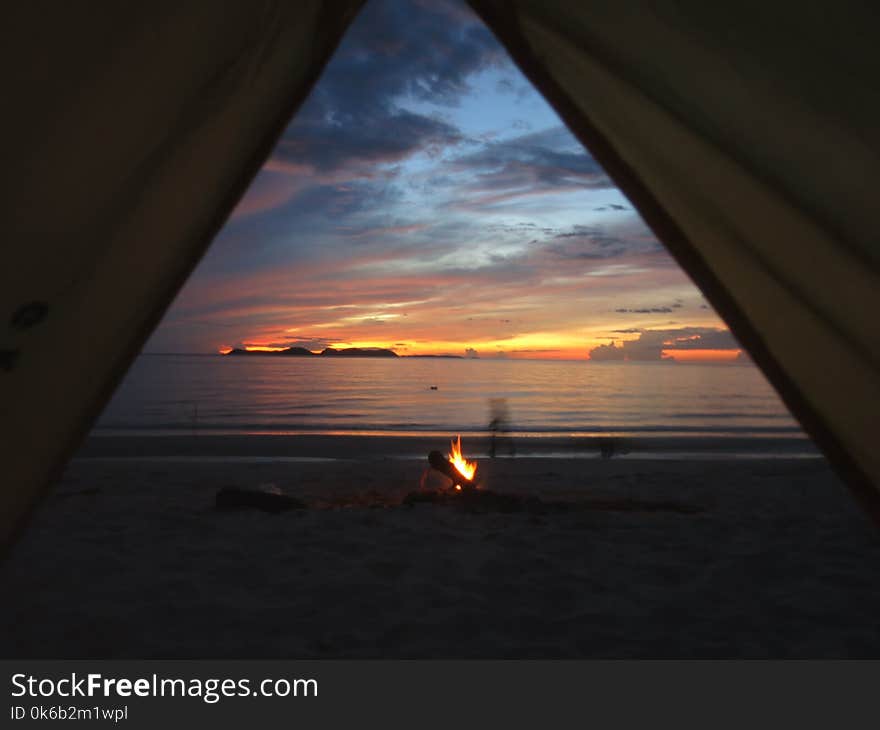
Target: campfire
{"type": "Point", "coordinates": [468, 493]}
{"type": "Point", "coordinates": [454, 466]}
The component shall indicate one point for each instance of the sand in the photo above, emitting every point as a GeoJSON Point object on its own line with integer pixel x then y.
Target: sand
{"type": "Point", "coordinates": [128, 558]}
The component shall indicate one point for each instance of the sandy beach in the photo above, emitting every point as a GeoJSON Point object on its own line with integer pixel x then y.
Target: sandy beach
{"type": "Point", "coordinates": [767, 557]}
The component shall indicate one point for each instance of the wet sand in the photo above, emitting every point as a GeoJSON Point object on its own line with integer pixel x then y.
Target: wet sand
{"type": "Point", "coordinates": [129, 558]}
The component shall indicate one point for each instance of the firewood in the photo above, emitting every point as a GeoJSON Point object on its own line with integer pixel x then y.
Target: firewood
{"type": "Point", "coordinates": [445, 467]}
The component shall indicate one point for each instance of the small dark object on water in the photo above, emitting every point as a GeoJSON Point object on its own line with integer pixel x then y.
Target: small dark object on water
{"type": "Point", "coordinates": [233, 498]}
{"type": "Point", "coordinates": [433, 387]}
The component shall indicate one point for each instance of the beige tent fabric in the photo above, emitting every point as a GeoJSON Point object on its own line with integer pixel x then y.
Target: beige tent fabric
{"type": "Point", "coordinates": [129, 131]}
{"type": "Point", "coordinates": [747, 134]}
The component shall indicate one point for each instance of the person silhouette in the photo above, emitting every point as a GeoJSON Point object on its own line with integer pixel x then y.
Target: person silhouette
{"type": "Point", "coordinates": [499, 425]}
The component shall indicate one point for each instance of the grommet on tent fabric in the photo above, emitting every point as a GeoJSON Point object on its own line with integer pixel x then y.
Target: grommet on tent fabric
{"type": "Point", "coordinates": [8, 359]}
{"type": "Point", "coordinates": [29, 315]}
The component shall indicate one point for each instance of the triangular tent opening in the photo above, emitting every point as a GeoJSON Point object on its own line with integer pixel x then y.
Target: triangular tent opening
{"type": "Point", "coordinates": [428, 202]}
{"type": "Point", "coordinates": [134, 133]}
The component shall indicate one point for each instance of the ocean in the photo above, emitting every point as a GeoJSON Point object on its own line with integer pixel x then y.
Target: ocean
{"type": "Point", "coordinates": [215, 395]}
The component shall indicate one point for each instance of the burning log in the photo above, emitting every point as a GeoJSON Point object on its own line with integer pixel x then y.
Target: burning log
{"type": "Point", "coordinates": [455, 466]}
{"type": "Point", "coordinates": [445, 467]}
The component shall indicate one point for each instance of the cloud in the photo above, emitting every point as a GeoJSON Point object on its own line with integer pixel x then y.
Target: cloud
{"type": "Point", "coordinates": [609, 352]}
{"type": "Point", "coordinates": [471, 353]}
{"type": "Point", "coordinates": [433, 49]}
{"type": "Point", "coordinates": [648, 347]}
{"type": "Point", "coordinates": [656, 309]}
{"type": "Point", "coordinates": [358, 146]}
{"type": "Point", "coordinates": [701, 338]}
{"type": "Point", "coordinates": [645, 310]}
{"type": "Point", "coordinates": [539, 163]}
{"type": "Point", "coordinates": [595, 242]}
{"type": "Point", "coordinates": [353, 122]}
{"type": "Point", "coordinates": [392, 52]}
{"type": "Point", "coordinates": [394, 230]}
{"type": "Point", "coordinates": [653, 345]}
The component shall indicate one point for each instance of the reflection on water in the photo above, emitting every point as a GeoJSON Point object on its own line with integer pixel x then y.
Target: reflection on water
{"type": "Point", "coordinates": [214, 394]}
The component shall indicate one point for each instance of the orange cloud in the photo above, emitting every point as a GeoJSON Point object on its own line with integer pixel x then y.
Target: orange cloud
{"type": "Point", "coordinates": [703, 355]}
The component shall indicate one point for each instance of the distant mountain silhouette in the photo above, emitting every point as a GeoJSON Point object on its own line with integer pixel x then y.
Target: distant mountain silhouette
{"type": "Point", "coordinates": [358, 352]}
{"type": "Point", "coordinates": [289, 352]}
{"type": "Point", "coordinates": [329, 352]}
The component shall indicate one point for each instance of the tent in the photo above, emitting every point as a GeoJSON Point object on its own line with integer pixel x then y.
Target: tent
{"type": "Point", "coordinates": [745, 133]}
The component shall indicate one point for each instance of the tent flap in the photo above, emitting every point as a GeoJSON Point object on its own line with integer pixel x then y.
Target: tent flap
{"type": "Point", "coordinates": [130, 132]}
{"type": "Point", "coordinates": [746, 136]}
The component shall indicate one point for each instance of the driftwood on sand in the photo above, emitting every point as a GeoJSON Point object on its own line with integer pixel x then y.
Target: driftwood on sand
{"type": "Point", "coordinates": [235, 498]}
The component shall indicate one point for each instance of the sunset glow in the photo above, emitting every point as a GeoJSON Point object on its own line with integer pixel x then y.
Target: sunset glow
{"type": "Point", "coordinates": [426, 200]}
{"type": "Point", "coordinates": [264, 348]}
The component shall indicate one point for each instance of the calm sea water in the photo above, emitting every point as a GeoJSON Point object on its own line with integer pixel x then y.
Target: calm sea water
{"type": "Point", "coordinates": [173, 393]}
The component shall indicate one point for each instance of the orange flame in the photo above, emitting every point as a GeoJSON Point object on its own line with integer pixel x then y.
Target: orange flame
{"type": "Point", "coordinates": [464, 467]}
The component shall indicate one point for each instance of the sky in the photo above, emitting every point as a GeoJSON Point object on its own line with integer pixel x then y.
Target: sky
{"type": "Point", "coordinates": [426, 199]}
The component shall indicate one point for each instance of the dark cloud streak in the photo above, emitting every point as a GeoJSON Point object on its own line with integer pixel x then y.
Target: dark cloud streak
{"type": "Point", "coordinates": [392, 52]}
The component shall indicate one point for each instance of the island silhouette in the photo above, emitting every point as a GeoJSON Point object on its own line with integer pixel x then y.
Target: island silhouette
{"type": "Point", "coordinates": [327, 352]}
